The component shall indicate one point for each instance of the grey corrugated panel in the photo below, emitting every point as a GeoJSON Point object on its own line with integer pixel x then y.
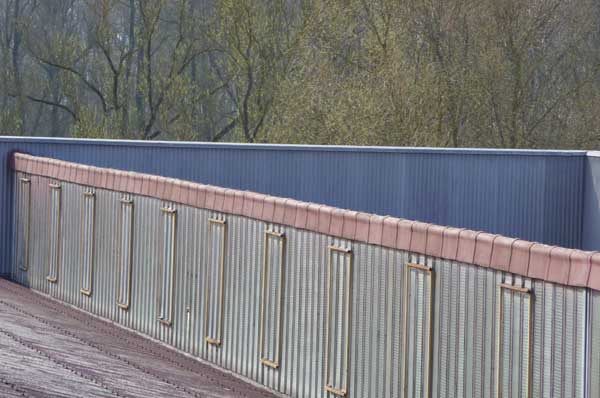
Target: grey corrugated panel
{"type": "Point", "coordinates": [464, 302]}
{"type": "Point", "coordinates": [534, 195]}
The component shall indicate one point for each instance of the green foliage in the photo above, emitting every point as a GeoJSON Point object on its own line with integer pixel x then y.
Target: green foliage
{"type": "Point", "coordinates": [491, 73]}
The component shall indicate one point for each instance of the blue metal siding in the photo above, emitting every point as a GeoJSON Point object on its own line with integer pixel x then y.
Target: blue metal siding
{"type": "Point", "coordinates": [533, 195]}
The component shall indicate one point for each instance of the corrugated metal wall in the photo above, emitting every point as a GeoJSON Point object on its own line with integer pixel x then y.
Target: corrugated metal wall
{"type": "Point", "coordinates": [533, 195]}
{"type": "Point", "coordinates": [355, 318]}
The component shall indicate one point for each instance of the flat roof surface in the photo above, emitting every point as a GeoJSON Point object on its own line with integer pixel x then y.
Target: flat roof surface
{"type": "Point", "coordinates": [52, 350]}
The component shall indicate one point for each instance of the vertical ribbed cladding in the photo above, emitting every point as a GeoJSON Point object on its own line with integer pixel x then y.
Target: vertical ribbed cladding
{"type": "Point", "coordinates": [593, 361]}
{"type": "Point", "coordinates": [465, 320]}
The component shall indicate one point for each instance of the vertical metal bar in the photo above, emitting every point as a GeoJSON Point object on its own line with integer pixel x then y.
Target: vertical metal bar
{"type": "Point", "coordinates": [25, 185]}
{"type": "Point", "coordinates": [165, 315]}
{"type": "Point", "coordinates": [216, 340]}
{"type": "Point", "coordinates": [123, 300]}
{"type": "Point", "coordinates": [280, 239]}
{"type": "Point", "coordinates": [329, 387]}
{"type": "Point", "coordinates": [54, 214]}
{"type": "Point", "coordinates": [429, 272]}
{"type": "Point", "coordinates": [87, 242]}
{"type": "Point", "coordinates": [523, 291]}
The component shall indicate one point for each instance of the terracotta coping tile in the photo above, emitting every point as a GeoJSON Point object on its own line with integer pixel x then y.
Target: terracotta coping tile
{"type": "Point", "coordinates": [404, 236]}
{"type": "Point", "coordinates": [501, 253]}
{"type": "Point", "coordinates": [268, 212]}
{"type": "Point", "coordinates": [560, 265]}
{"type": "Point", "coordinates": [200, 196]}
{"type": "Point", "coordinates": [177, 191]}
{"type": "Point", "coordinates": [418, 241]}
{"type": "Point", "coordinates": [247, 204]}
{"type": "Point", "coordinates": [301, 218]}
{"type": "Point", "coordinates": [450, 244]}
{"type": "Point", "coordinates": [594, 278]}
{"type": "Point", "coordinates": [581, 264]}
{"type": "Point", "coordinates": [210, 198]}
{"type": "Point", "coordinates": [435, 240]}
{"type": "Point", "coordinates": [466, 246]}
{"type": "Point", "coordinates": [278, 216]}
{"type": "Point", "coordinates": [325, 213]}
{"type": "Point", "coordinates": [375, 230]}
{"type": "Point", "coordinates": [362, 227]}
{"type": "Point", "coordinates": [238, 203]}
{"type": "Point", "coordinates": [349, 226]}
{"type": "Point", "coordinates": [519, 257]}
{"type": "Point", "coordinates": [229, 195]}
{"type": "Point", "coordinates": [130, 187]}
{"type": "Point", "coordinates": [483, 249]}
{"type": "Point", "coordinates": [390, 232]}
{"type": "Point", "coordinates": [219, 199]}
{"type": "Point", "coordinates": [312, 220]}
{"type": "Point", "coordinates": [336, 227]}
{"type": "Point", "coordinates": [289, 212]}
{"type": "Point", "coordinates": [539, 261]}
{"type": "Point", "coordinates": [257, 205]}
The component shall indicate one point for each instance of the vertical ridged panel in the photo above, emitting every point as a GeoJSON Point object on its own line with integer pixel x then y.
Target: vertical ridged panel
{"type": "Point", "coordinates": [87, 242]}
{"type": "Point", "coordinates": [125, 253]}
{"type": "Point", "coordinates": [166, 273]}
{"type": "Point", "coordinates": [272, 299]}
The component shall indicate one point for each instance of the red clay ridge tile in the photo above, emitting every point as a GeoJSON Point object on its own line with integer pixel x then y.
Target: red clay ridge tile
{"type": "Point", "coordinates": [404, 236]}
{"type": "Point", "coordinates": [268, 211]}
{"type": "Point", "coordinates": [219, 199]}
{"type": "Point", "coordinates": [312, 220]}
{"type": "Point", "coordinates": [581, 263]}
{"type": "Point", "coordinates": [248, 204]}
{"type": "Point", "coordinates": [153, 186]}
{"type": "Point", "coordinates": [324, 219]}
{"type": "Point", "coordinates": [238, 203]}
{"type": "Point", "coordinates": [53, 169]}
{"type": "Point", "coordinates": [560, 265]}
{"type": "Point", "coordinates": [229, 195]}
{"type": "Point", "coordinates": [301, 215]}
{"type": "Point", "coordinates": [279, 214]}
{"type": "Point", "coordinates": [594, 279]}
{"type": "Point", "coordinates": [390, 232]}
{"type": "Point", "coordinates": [337, 223]}
{"type": "Point", "coordinates": [96, 177]}
{"type": "Point", "coordinates": [175, 194]}
{"type": "Point", "coordinates": [539, 261]}
{"type": "Point", "coordinates": [450, 244]}
{"type": "Point", "coordinates": [138, 182]}
{"type": "Point", "coordinates": [62, 171]}
{"type": "Point", "coordinates": [130, 187]}
{"type": "Point", "coordinates": [466, 246]}
{"type": "Point", "coordinates": [519, 257]}
{"type": "Point", "coordinates": [210, 198]}
{"type": "Point", "coordinates": [72, 174]}
{"type": "Point", "coordinates": [375, 230]}
{"type": "Point", "coordinates": [124, 182]}
{"type": "Point", "coordinates": [435, 241]}
{"type": "Point", "coordinates": [362, 227]}
{"type": "Point", "coordinates": [349, 226]}
{"type": "Point", "coordinates": [418, 241]}
{"type": "Point", "coordinates": [501, 253]}
{"type": "Point", "coordinates": [257, 205]}
{"type": "Point", "coordinates": [44, 169]}
{"type": "Point", "coordinates": [199, 196]}
{"type": "Point", "coordinates": [483, 249]}
{"type": "Point", "coordinates": [289, 212]}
